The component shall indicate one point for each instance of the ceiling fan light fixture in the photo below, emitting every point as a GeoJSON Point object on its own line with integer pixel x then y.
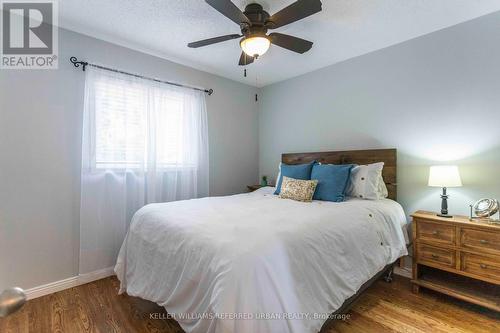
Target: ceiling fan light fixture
{"type": "Point", "coordinates": [255, 46]}
{"type": "Point", "coordinates": [254, 23]}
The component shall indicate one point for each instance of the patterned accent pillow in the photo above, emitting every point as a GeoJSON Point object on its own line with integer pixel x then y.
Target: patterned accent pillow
{"type": "Point", "coordinates": [297, 189]}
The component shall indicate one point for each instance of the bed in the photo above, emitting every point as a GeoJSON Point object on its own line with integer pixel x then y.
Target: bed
{"type": "Point", "coordinates": [253, 262]}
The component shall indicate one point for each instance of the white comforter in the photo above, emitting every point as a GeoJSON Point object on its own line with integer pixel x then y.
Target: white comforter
{"type": "Point", "coordinates": [257, 263]}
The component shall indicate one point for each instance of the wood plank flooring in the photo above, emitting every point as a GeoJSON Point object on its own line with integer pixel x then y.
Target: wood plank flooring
{"type": "Point", "coordinates": [385, 307]}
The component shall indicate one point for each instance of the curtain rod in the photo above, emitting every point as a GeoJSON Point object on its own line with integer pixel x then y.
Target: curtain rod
{"type": "Point", "coordinates": [84, 64]}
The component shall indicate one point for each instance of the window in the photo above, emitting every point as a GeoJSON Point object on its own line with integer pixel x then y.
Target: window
{"type": "Point", "coordinates": [120, 124]}
{"type": "Point", "coordinates": [137, 125]}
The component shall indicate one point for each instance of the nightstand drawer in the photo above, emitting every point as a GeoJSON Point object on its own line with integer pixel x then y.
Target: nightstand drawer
{"type": "Point", "coordinates": [434, 232]}
{"type": "Point", "coordinates": [436, 255]}
{"type": "Point", "coordinates": [486, 266]}
{"type": "Point", "coordinates": [480, 240]}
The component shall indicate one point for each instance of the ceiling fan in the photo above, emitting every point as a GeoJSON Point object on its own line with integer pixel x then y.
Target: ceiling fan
{"type": "Point", "coordinates": [254, 23]}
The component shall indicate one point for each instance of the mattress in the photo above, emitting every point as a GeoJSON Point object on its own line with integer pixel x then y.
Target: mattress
{"type": "Point", "coordinates": [253, 262]}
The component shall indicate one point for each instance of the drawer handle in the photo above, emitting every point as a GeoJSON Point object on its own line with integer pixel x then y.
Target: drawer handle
{"type": "Point", "coordinates": [435, 233]}
{"type": "Point", "coordinates": [435, 256]}
{"type": "Point", "coordinates": [483, 241]}
{"type": "Point", "coordinates": [483, 266]}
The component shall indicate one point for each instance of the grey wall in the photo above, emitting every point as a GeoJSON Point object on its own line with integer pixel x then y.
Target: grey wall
{"type": "Point", "coordinates": [40, 153]}
{"type": "Point", "coordinates": [435, 98]}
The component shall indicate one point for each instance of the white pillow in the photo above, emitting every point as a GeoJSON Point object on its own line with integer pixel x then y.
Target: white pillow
{"type": "Point", "coordinates": [366, 182]}
{"type": "Point", "coordinates": [382, 188]}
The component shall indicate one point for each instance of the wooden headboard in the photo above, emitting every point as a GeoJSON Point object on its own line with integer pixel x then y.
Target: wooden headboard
{"type": "Point", "coordinates": [388, 156]}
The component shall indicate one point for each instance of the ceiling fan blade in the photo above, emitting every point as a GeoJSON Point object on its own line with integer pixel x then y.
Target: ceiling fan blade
{"type": "Point", "coordinates": [296, 11]}
{"type": "Point", "coordinates": [214, 40]}
{"type": "Point", "coordinates": [291, 43]}
{"type": "Point", "coordinates": [245, 59]}
{"type": "Point", "coordinates": [229, 10]}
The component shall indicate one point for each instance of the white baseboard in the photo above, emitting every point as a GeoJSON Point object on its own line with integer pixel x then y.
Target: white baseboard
{"type": "Point", "coordinates": [71, 282]}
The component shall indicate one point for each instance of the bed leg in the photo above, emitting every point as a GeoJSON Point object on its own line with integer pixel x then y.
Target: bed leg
{"type": "Point", "coordinates": [388, 274]}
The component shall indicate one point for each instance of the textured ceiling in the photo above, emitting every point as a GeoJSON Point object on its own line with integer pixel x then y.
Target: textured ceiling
{"type": "Point", "coordinates": [344, 29]}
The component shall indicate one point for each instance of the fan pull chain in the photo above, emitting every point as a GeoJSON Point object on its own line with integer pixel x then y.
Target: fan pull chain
{"type": "Point", "coordinates": [257, 83]}
{"type": "Point", "coordinates": [245, 72]}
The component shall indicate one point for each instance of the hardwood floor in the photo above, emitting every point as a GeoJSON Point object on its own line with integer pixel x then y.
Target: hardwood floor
{"type": "Point", "coordinates": [385, 307]}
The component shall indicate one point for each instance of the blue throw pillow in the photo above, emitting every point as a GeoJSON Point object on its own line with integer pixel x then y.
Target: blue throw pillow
{"type": "Point", "coordinates": [332, 181]}
{"type": "Point", "coordinates": [297, 171]}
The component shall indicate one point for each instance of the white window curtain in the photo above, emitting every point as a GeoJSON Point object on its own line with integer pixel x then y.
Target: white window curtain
{"type": "Point", "coordinates": [143, 142]}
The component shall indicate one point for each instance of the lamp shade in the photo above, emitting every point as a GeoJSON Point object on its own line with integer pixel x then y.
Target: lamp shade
{"type": "Point", "coordinates": [255, 45]}
{"type": "Point", "coordinates": [444, 176]}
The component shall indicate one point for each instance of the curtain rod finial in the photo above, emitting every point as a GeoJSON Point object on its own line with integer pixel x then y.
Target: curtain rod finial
{"type": "Point", "coordinates": [210, 92]}
{"type": "Point", "coordinates": [77, 63]}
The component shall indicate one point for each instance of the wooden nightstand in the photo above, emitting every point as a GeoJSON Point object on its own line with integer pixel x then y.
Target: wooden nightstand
{"type": "Point", "coordinates": [252, 188]}
{"type": "Point", "coordinates": [457, 257]}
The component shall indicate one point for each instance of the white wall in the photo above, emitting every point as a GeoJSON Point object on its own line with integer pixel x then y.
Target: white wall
{"type": "Point", "coordinates": [435, 98]}
{"type": "Point", "coordinates": [40, 152]}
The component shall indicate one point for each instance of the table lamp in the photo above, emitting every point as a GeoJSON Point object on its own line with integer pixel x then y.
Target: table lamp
{"type": "Point", "coordinates": [444, 176]}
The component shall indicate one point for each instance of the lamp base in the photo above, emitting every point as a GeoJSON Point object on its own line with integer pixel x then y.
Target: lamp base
{"type": "Point", "coordinates": [444, 205]}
